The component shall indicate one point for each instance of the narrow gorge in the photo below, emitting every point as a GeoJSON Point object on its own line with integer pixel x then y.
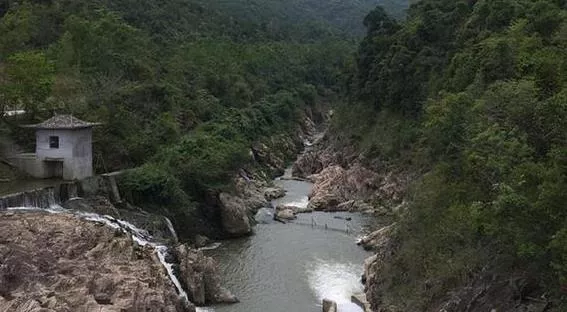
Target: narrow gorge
{"type": "Point", "coordinates": [297, 246]}
{"type": "Point", "coordinates": [276, 156]}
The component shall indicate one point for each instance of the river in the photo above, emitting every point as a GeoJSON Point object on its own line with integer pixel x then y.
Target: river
{"type": "Point", "coordinates": [293, 266]}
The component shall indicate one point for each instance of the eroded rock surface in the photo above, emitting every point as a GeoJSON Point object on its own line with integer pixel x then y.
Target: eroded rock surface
{"type": "Point", "coordinates": [286, 214]}
{"type": "Point", "coordinates": [335, 187]}
{"type": "Point", "coordinates": [201, 276]}
{"type": "Point", "coordinates": [59, 263]}
{"type": "Point", "coordinates": [274, 192]}
{"type": "Point", "coordinates": [377, 239]}
{"type": "Point", "coordinates": [234, 215]}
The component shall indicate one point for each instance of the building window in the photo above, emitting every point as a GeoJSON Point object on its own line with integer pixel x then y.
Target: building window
{"type": "Point", "coordinates": [53, 142]}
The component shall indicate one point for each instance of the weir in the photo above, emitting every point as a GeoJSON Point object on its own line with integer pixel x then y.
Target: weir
{"type": "Point", "coordinates": [49, 199]}
{"type": "Point", "coordinates": [56, 194]}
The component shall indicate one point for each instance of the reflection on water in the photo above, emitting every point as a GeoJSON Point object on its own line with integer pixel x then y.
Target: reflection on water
{"type": "Point", "coordinates": [292, 267]}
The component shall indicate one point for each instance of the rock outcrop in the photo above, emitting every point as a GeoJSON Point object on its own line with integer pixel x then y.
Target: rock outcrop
{"type": "Point", "coordinates": [381, 242]}
{"type": "Point", "coordinates": [271, 193]}
{"type": "Point", "coordinates": [59, 262]}
{"type": "Point", "coordinates": [201, 277]}
{"type": "Point", "coordinates": [329, 306]}
{"type": "Point", "coordinates": [234, 215]}
{"type": "Point", "coordinates": [360, 300]}
{"type": "Point", "coordinates": [285, 214]}
{"type": "Point", "coordinates": [334, 187]}
{"type": "Point", "coordinates": [377, 239]}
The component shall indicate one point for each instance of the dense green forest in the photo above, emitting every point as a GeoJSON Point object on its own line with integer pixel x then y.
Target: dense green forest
{"type": "Point", "coordinates": [469, 94]}
{"type": "Point", "coordinates": [473, 96]}
{"type": "Point", "coordinates": [182, 87]}
{"type": "Point", "coordinates": [342, 18]}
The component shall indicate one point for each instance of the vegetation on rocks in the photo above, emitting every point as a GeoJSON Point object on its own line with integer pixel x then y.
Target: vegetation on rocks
{"type": "Point", "coordinates": [471, 94]}
{"type": "Point", "coordinates": [183, 88]}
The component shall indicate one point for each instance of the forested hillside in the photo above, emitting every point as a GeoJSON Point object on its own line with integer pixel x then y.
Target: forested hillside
{"type": "Point", "coordinates": [343, 18]}
{"type": "Point", "coordinates": [473, 96]}
{"type": "Point", "coordinates": [182, 87]}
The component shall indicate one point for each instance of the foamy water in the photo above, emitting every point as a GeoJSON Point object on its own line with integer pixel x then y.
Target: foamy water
{"type": "Point", "coordinates": [294, 266]}
{"type": "Point", "coordinates": [301, 203]}
{"type": "Point", "coordinates": [337, 281]}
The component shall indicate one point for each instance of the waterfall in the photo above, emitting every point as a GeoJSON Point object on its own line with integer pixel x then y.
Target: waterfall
{"type": "Point", "coordinates": [49, 199]}
{"type": "Point", "coordinates": [140, 236]}
{"type": "Point", "coordinates": [171, 229]}
{"type": "Point", "coordinates": [72, 190]}
{"type": "Point", "coordinates": [40, 198]}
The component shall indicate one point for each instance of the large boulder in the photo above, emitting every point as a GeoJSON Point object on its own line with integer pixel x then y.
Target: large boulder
{"type": "Point", "coordinates": [264, 216]}
{"type": "Point", "coordinates": [251, 191]}
{"type": "Point", "coordinates": [201, 277]}
{"type": "Point", "coordinates": [329, 306]}
{"type": "Point", "coordinates": [234, 215]}
{"type": "Point", "coordinates": [286, 214]}
{"type": "Point", "coordinates": [324, 202]}
{"type": "Point", "coordinates": [274, 192]}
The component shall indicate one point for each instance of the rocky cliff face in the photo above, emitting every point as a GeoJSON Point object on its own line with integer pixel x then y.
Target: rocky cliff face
{"type": "Point", "coordinates": [59, 262]}
{"type": "Point", "coordinates": [252, 188]}
{"type": "Point", "coordinates": [344, 181]}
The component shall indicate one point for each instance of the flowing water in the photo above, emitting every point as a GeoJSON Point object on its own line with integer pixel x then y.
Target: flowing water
{"type": "Point", "coordinates": [140, 236]}
{"type": "Point", "coordinates": [292, 267]}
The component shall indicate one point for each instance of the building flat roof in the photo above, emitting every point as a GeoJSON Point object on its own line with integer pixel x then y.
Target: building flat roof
{"type": "Point", "coordinates": [63, 122]}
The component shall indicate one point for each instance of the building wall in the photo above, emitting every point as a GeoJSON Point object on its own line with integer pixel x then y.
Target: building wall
{"type": "Point", "coordinates": [75, 150]}
{"type": "Point", "coordinates": [30, 164]}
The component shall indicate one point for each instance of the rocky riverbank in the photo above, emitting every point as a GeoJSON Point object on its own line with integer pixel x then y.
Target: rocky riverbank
{"type": "Point", "coordinates": [72, 262]}
{"type": "Point", "coordinates": [59, 262]}
{"type": "Point", "coordinates": [346, 181]}
{"type": "Point", "coordinates": [252, 187]}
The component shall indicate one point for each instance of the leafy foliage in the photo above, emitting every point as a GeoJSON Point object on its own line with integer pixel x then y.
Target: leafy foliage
{"type": "Point", "coordinates": [183, 88]}
{"type": "Point", "coordinates": [480, 88]}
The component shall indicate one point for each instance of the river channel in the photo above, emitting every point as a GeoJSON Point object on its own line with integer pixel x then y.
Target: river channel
{"type": "Point", "coordinates": [292, 267]}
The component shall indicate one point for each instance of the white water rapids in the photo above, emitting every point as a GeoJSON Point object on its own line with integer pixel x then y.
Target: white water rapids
{"type": "Point", "coordinates": [294, 266]}
{"type": "Point", "coordinates": [336, 281]}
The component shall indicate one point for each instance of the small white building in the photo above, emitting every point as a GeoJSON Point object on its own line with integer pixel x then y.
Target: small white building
{"type": "Point", "coordinates": [63, 149]}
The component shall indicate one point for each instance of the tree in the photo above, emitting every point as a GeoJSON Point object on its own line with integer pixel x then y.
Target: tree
{"type": "Point", "coordinates": [29, 77]}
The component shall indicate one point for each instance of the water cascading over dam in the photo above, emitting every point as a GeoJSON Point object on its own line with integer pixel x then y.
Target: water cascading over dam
{"type": "Point", "coordinates": [50, 199]}
{"type": "Point", "coordinates": [54, 195]}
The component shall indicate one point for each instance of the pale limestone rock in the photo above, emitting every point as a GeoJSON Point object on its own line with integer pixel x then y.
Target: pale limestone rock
{"type": "Point", "coordinates": [286, 214]}
{"type": "Point", "coordinates": [274, 192]}
{"type": "Point", "coordinates": [59, 262]}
